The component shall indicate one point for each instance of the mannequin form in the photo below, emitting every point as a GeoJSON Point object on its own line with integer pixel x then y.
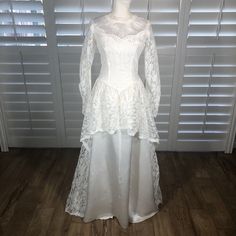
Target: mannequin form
{"type": "Point", "coordinates": [117, 174]}
{"type": "Point", "coordinates": [121, 9]}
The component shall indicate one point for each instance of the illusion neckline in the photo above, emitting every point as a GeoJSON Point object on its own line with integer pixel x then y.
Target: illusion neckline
{"type": "Point", "coordinates": [122, 19]}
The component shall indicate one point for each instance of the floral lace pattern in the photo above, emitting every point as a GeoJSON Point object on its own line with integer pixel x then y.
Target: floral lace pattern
{"type": "Point", "coordinates": [77, 198]}
{"type": "Point", "coordinates": [86, 60]}
{"type": "Point", "coordinates": [156, 177]}
{"type": "Point", "coordinates": [152, 73]}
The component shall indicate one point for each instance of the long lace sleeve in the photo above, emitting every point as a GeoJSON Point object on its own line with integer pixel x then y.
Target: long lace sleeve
{"type": "Point", "coordinates": [86, 60]}
{"type": "Point", "coordinates": [152, 74]}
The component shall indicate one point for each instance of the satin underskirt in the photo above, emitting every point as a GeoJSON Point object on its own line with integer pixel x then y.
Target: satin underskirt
{"type": "Point", "coordinates": [118, 179]}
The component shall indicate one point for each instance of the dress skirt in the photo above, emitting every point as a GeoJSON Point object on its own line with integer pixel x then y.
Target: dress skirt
{"type": "Point", "coordinates": [116, 175]}
{"type": "Point", "coordinates": [117, 172]}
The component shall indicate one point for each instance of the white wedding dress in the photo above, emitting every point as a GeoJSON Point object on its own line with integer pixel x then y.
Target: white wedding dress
{"type": "Point", "coordinates": [117, 173]}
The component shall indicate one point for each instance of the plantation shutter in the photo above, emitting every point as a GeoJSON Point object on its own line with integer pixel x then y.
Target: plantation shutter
{"type": "Point", "coordinates": [207, 97]}
{"type": "Point", "coordinates": [26, 89]}
{"type": "Point", "coordinates": [40, 47]}
{"type": "Point", "coordinates": [22, 23]}
{"type": "Point", "coordinates": [164, 15]}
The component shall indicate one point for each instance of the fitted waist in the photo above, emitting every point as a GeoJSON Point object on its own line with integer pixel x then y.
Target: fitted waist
{"type": "Point", "coordinates": [119, 69]}
{"type": "Point", "coordinates": [118, 74]}
{"type": "Point", "coordinates": [120, 83]}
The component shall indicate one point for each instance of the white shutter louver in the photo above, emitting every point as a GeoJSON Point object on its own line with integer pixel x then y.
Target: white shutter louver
{"type": "Point", "coordinates": [72, 17]}
{"type": "Point", "coordinates": [22, 23]}
{"type": "Point", "coordinates": [26, 86]}
{"type": "Point", "coordinates": [208, 89]}
{"type": "Point", "coordinates": [27, 96]}
{"type": "Point", "coordinates": [164, 17]}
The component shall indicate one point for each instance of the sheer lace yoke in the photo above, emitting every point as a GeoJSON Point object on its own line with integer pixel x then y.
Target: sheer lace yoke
{"type": "Point", "coordinates": [121, 28]}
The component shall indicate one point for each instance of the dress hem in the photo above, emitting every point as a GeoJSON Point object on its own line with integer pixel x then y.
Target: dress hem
{"type": "Point", "coordinates": [105, 217]}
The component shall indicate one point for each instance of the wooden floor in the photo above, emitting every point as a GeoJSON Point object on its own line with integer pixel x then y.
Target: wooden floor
{"type": "Point", "coordinates": [199, 195]}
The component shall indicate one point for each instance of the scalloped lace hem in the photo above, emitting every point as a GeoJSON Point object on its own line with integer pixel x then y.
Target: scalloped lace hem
{"type": "Point", "coordinates": [130, 132]}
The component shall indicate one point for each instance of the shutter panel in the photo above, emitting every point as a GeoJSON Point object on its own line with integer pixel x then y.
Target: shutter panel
{"type": "Point", "coordinates": [26, 88]}
{"type": "Point", "coordinates": [208, 89]}
{"type": "Point", "coordinates": [164, 18]}
{"type": "Point", "coordinates": [27, 97]}
{"type": "Point", "coordinates": [22, 23]}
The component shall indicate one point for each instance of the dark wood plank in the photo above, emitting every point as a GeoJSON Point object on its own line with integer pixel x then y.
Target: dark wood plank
{"type": "Point", "coordinates": [199, 195]}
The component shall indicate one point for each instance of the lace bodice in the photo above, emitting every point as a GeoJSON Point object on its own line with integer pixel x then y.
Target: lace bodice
{"type": "Point", "coordinates": [120, 44]}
